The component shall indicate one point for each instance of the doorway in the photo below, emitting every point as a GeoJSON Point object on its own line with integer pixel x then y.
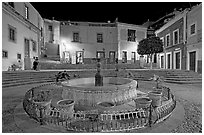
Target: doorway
{"type": "Point", "coordinates": [124, 57]}
{"type": "Point", "coordinates": [177, 60]}
{"type": "Point", "coordinates": [168, 60]}
{"type": "Point", "coordinates": [192, 60]}
{"type": "Point", "coordinates": [66, 56]}
{"type": "Point", "coordinates": [162, 61]}
{"type": "Point", "coordinates": [133, 57]}
{"type": "Point", "coordinates": [112, 57]}
{"type": "Point", "coordinates": [79, 57]}
{"type": "Point", "coordinates": [27, 60]}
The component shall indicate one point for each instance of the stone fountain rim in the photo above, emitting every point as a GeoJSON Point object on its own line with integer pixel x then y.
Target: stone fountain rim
{"type": "Point", "coordinates": [130, 82]}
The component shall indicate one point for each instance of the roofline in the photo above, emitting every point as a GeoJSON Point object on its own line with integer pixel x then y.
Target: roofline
{"type": "Point", "coordinates": [176, 18]}
{"type": "Point", "coordinates": [140, 26]}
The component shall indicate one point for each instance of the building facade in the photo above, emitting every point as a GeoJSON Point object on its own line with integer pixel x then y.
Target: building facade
{"type": "Point", "coordinates": [194, 39]}
{"type": "Point", "coordinates": [182, 38]}
{"type": "Point", "coordinates": [81, 42]}
{"type": "Point", "coordinates": [22, 36]}
{"type": "Point", "coordinates": [173, 35]}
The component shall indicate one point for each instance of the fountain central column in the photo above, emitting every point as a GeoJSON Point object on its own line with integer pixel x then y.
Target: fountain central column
{"type": "Point", "coordinates": [98, 76]}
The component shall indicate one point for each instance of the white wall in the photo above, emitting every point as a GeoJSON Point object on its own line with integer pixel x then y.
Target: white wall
{"type": "Point", "coordinates": [22, 31]}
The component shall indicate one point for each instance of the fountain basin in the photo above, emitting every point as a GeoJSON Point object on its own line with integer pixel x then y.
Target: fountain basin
{"type": "Point", "coordinates": [84, 92]}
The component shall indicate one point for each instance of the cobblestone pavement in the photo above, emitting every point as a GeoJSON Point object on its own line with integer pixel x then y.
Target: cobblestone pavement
{"type": "Point", "coordinates": [193, 118]}
{"type": "Point", "coordinates": [8, 106]}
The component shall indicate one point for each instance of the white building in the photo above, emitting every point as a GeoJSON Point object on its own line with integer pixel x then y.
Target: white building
{"type": "Point", "coordinates": [22, 35]}
{"type": "Point", "coordinates": [80, 42]}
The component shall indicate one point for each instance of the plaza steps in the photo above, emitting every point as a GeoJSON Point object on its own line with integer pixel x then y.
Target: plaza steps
{"type": "Point", "coordinates": [183, 77]}
{"type": "Point", "coordinates": [12, 79]}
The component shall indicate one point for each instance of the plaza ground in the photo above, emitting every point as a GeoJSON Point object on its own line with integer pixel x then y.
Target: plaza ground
{"type": "Point", "coordinates": [187, 117]}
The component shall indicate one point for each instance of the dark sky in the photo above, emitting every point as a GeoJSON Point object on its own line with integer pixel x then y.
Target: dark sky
{"type": "Point", "coordinates": [127, 12]}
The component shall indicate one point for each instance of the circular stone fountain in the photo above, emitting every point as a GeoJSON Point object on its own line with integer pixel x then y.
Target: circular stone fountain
{"type": "Point", "coordinates": [84, 92]}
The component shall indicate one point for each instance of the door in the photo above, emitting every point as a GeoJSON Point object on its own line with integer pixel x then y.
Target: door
{"type": "Point", "coordinates": [27, 60]}
{"type": "Point", "coordinates": [79, 57]}
{"type": "Point", "coordinates": [162, 61]}
{"type": "Point", "coordinates": [192, 56]}
{"type": "Point", "coordinates": [168, 61]}
{"type": "Point", "coordinates": [66, 56]}
{"type": "Point", "coordinates": [177, 60]}
{"type": "Point", "coordinates": [100, 54]}
{"type": "Point", "coordinates": [124, 57]}
{"type": "Point", "coordinates": [133, 57]}
{"type": "Point", "coordinates": [112, 56]}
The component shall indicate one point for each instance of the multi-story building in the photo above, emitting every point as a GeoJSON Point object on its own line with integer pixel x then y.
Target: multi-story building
{"type": "Point", "coordinates": [22, 35]}
{"type": "Point", "coordinates": [173, 35]}
{"type": "Point", "coordinates": [80, 42]}
{"type": "Point", "coordinates": [194, 39]}
{"type": "Point", "coordinates": [182, 38]}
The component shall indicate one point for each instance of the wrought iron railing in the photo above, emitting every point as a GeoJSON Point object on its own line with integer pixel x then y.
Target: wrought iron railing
{"type": "Point", "coordinates": [92, 121]}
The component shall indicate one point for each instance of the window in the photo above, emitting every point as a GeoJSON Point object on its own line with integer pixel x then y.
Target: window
{"type": "Point", "coordinates": [34, 46]}
{"type": "Point", "coordinates": [18, 56]}
{"type": "Point", "coordinates": [50, 27]}
{"type": "Point", "coordinates": [192, 29]}
{"type": "Point", "coordinates": [12, 33]}
{"type": "Point", "coordinates": [11, 4]}
{"type": "Point", "coordinates": [176, 37]}
{"type": "Point", "coordinates": [75, 37]}
{"type": "Point", "coordinates": [26, 12]}
{"type": "Point", "coordinates": [131, 35]}
{"type": "Point", "coordinates": [99, 38]}
{"type": "Point", "coordinates": [4, 54]}
{"type": "Point", "coordinates": [168, 40]}
{"type": "Point", "coordinates": [162, 39]}
{"type": "Point", "coordinates": [41, 32]}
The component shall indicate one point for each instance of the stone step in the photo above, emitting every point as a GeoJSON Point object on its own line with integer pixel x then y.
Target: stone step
{"type": "Point", "coordinates": [182, 82]}
{"type": "Point", "coordinates": [184, 79]}
{"type": "Point", "coordinates": [26, 80]}
{"type": "Point", "coordinates": [24, 83]}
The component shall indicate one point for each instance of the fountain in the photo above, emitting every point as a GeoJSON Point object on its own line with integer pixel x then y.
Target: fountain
{"type": "Point", "coordinates": [89, 92]}
{"type": "Point", "coordinates": [96, 104]}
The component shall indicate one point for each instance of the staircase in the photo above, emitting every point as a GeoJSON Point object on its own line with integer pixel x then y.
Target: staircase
{"type": "Point", "coordinates": [182, 77]}
{"type": "Point", "coordinates": [12, 79]}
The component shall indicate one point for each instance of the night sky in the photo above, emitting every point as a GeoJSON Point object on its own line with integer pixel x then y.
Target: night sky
{"type": "Point", "coordinates": [127, 12]}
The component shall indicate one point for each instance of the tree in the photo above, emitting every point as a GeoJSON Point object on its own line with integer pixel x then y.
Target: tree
{"type": "Point", "coordinates": [150, 46]}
